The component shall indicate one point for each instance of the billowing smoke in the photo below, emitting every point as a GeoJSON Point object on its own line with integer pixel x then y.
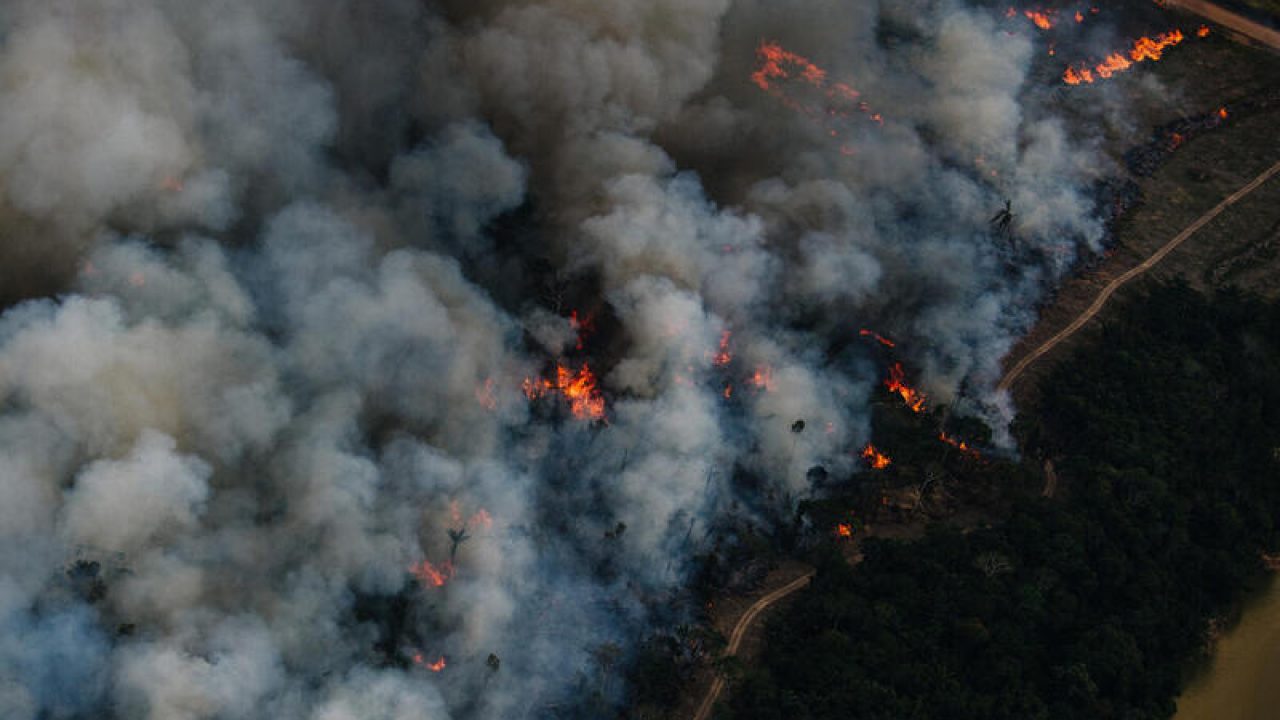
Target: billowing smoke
{"type": "Point", "coordinates": [286, 266]}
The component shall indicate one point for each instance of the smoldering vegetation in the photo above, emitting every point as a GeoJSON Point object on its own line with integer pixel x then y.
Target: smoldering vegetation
{"type": "Point", "coordinates": [388, 359]}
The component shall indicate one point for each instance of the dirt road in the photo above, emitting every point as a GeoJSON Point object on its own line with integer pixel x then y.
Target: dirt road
{"type": "Point", "coordinates": [1243, 25]}
{"type": "Point", "coordinates": [1007, 381]}
{"type": "Point", "coordinates": [740, 631]}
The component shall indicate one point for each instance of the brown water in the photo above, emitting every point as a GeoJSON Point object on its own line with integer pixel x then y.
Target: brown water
{"type": "Point", "coordinates": [1243, 681]}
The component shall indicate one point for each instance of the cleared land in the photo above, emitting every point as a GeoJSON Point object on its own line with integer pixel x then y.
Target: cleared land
{"type": "Point", "coordinates": [1092, 310]}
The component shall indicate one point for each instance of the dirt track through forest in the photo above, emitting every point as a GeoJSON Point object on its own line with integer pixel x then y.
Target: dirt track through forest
{"type": "Point", "coordinates": [1010, 377]}
{"type": "Point", "coordinates": [740, 631]}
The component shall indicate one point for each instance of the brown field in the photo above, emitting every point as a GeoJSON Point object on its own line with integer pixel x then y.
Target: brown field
{"type": "Point", "coordinates": [1242, 246]}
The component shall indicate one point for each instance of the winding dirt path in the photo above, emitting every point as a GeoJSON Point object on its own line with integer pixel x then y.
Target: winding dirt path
{"type": "Point", "coordinates": [740, 631]}
{"type": "Point", "coordinates": [1010, 377]}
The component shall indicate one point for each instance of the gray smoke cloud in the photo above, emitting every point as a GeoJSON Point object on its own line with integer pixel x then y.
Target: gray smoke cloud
{"type": "Point", "coordinates": [287, 266]}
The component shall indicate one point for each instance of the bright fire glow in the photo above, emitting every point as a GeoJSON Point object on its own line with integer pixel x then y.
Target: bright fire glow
{"type": "Point", "coordinates": [912, 397]}
{"type": "Point", "coordinates": [429, 574]}
{"type": "Point", "coordinates": [1043, 20]}
{"type": "Point", "coordinates": [876, 459]}
{"type": "Point", "coordinates": [1203, 31]}
{"type": "Point", "coordinates": [844, 530]}
{"type": "Point", "coordinates": [578, 388]}
{"type": "Point", "coordinates": [436, 666]}
{"type": "Point", "coordinates": [1222, 113]}
{"type": "Point", "coordinates": [1143, 49]}
{"type": "Point", "coordinates": [763, 378]}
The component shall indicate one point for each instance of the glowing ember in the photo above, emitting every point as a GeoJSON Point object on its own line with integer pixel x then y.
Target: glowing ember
{"type": "Point", "coordinates": [912, 397]}
{"type": "Point", "coordinates": [582, 326]}
{"type": "Point", "coordinates": [722, 356]}
{"type": "Point", "coordinates": [579, 389]}
{"type": "Point", "coordinates": [1143, 49]}
{"type": "Point", "coordinates": [878, 337]}
{"type": "Point", "coordinates": [1079, 16]}
{"type": "Point", "coordinates": [1222, 113]}
{"type": "Point", "coordinates": [436, 666]}
{"type": "Point", "coordinates": [429, 574]}
{"type": "Point", "coordinates": [876, 459]}
{"type": "Point", "coordinates": [1203, 31]}
{"type": "Point", "coordinates": [844, 530]}
{"type": "Point", "coordinates": [763, 378]}
{"type": "Point", "coordinates": [960, 445]}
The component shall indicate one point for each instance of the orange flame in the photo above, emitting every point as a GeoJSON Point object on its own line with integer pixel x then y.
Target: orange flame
{"type": "Point", "coordinates": [1203, 31]}
{"type": "Point", "coordinates": [763, 378]}
{"type": "Point", "coordinates": [1079, 16]}
{"type": "Point", "coordinates": [1144, 49]}
{"type": "Point", "coordinates": [876, 459]}
{"type": "Point", "coordinates": [960, 445]}
{"type": "Point", "coordinates": [580, 389]}
{"type": "Point", "coordinates": [844, 530]}
{"type": "Point", "coordinates": [1043, 20]}
{"type": "Point", "coordinates": [912, 397]}
{"type": "Point", "coordinates": [878, 337]}
{"type": "Point", "coordinates": [1222, 113]}
{"type": "Point", "coordinates": [436, 666]}
{"type": "Point", "coordinates": [722, 356]}
{"type": "Point", "coordinates": [429, 574]}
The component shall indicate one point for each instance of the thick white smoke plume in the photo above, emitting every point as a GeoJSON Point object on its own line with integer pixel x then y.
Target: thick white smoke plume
{"type": "Point", "coordinates": [284, 267]}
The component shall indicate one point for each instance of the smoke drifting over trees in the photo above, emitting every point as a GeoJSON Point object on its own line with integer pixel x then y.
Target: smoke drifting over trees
{"type": "Point", "coordinates": [283, 268]}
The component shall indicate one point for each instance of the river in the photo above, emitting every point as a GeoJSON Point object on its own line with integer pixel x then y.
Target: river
{"type": "Point", "coordinates": [1243, 679]}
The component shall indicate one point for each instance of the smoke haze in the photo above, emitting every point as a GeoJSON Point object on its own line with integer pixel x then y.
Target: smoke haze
{"type": "Point", "coordinates": [285, 267]}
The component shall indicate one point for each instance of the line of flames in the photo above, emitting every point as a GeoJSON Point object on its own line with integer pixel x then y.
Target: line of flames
{"type": "Point", "coordinates": [777, 64]}
{"type": "Point", "coordinates": [960, 445]}
{"type": "Point", "coordinates": [1144, 49]}
{"type": "Point", "coordinates": [896, 384]}
{"type": "Point", "coordinates": [877, 337]}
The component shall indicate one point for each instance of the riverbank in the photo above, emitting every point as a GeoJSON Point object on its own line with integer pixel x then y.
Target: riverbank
{"type": "Point", "coordinates": [1242, 681]}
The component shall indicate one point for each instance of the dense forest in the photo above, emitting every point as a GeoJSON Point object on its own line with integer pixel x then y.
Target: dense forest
{"type": "Point", "coordinates": [1164, 424]}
